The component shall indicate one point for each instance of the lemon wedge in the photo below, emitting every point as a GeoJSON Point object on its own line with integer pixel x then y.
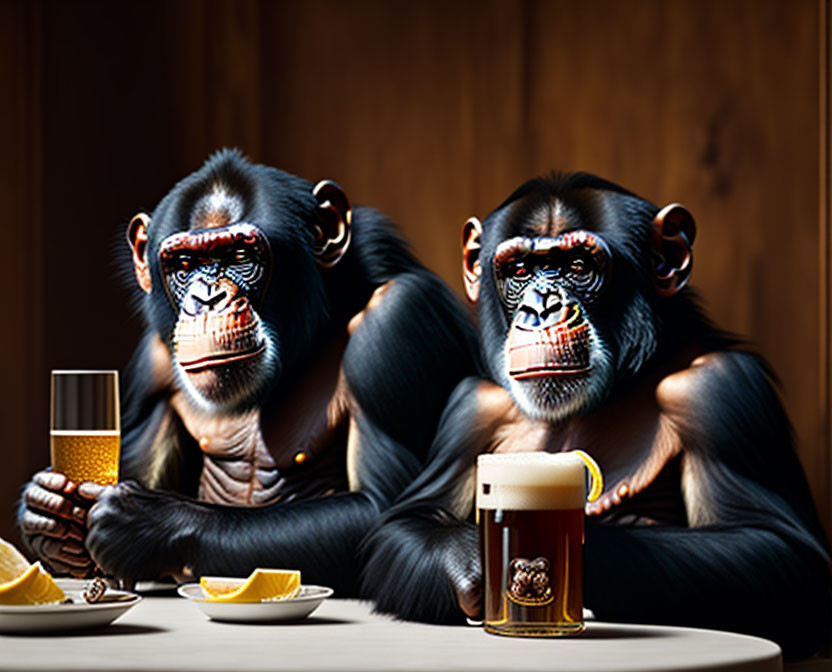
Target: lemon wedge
{"type": "Point", "coordinates": [22, 583]}
{"type": "Point", "coordinates": [595, 473]}
{"type": "Point", "coordinates": [262, 585]}
{"type": "Point", "coordinates": [12, 562]}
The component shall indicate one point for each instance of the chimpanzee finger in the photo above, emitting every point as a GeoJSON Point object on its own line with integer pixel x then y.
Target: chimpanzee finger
{"type": "Point", "coordinates": [90, 491]}
{"type": "Point", "coordinates": [74, 547]}
{"type": "Point", "coordinates": [32, 524]}
{"type": "Point", "coordinates": [81, 572]}
{"type": "Point", "coordinates": [57, 568]}
{"type": "Point", "coordinates": [55, 481]}
{"type": "Point", "coordinates": [470, 601]}
{"type": "Point", "coordinates": [52, 503]}
{"type": "Point", "coordinates": [57, 552]}
{"type": "Point", "coordinates": [58, 562]}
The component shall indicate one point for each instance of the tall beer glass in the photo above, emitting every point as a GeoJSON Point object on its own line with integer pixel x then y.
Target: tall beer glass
{"type": "Point", "coordinates": [530, 512]}
{"type": "Point", "coordinates": [85, 436]}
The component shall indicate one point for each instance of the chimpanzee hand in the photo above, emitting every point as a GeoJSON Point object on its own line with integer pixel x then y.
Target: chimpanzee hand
{"type": "Point", "coordinates": [470, 600]}
{"type": "Point", "coordinates": [53, 522]}
{"type": "Point", "coordinates": [136, 533]}
{"type": "Point", "coordinates": [462, 567]}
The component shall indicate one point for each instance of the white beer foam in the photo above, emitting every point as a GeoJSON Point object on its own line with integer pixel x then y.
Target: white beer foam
{"type": "Point", "coordinates": [531, 481]}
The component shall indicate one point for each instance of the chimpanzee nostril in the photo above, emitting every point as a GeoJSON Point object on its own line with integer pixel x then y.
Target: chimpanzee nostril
{"type": "Point", "coordinates": [211, 301]}
{"type": "Point", "coordinates": [203, 299]}
{"type": "Point", "coordinates": [528, 317]}
{"type": "Point", "coordinates": [552, 303]}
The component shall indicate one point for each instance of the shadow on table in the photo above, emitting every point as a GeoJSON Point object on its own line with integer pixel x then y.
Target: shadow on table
{"type": "Point", "coordinates": [630, 632]}
{"type": "Point", "coordinates": [109, 631]}
{"type": "Point", "coordinates": [309, 620]}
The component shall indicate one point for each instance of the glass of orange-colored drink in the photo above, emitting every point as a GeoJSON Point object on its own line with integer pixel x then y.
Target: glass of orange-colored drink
{"type": "Point", "coordinates": [85, 436]}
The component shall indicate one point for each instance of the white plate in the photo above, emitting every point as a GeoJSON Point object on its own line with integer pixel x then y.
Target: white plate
{"type": "Point", "coordinates": [79, 615]}
{"type": "Point", "coordinates": [294, 609]}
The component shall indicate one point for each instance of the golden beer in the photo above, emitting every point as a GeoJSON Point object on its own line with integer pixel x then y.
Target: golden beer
{"type": "Point", "coordinates": [530, 512]}
{"type": "Point", "coordinates": [85, 432]}
{"type": "Point", "coordinates": [90, 456]}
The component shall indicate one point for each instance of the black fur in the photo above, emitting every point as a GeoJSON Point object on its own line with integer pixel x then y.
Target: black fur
{"type": "Point", "coordinates": [760, 567]}
{"type": "Point", "coordinates": [401, 364]}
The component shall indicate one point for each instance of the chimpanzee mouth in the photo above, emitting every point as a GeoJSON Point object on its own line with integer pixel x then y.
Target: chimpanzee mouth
{"type": "Point", "coordinates": [210, 340]}
{"type": "Point", "coordinates": [548, 352]}
{"type": "Point", "coordinates": [221, 359]}
{"type": "Point", "coordinates": [551, 370]}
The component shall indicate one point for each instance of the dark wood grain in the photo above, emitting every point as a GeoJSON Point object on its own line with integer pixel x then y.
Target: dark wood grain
{"type": "Point", "coordinates": [432, 112]}
{"type": "Point", "coordinates": [22, 384]}
{"type": "Point", "coordinates": [715, 105]}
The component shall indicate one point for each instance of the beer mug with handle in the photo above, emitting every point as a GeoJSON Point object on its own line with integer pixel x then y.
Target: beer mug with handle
{"type": "Point", "coordinates": [530, 513]}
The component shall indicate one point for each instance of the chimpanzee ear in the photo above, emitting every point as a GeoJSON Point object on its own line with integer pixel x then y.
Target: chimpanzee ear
{"type": "Point", "coordinates": [331, 231]}
{"type": "Point", "coordinates": [471, 268]}
{"type": "Point", "coordinates": [671, 240]}
{"type": "Point", "coordinates": [137, 238]}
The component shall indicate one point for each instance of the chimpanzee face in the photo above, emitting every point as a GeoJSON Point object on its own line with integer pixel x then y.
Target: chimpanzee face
{"type": "Point", "coordinates": [553, 355]}
{"type": "Point", "coordinates": [215, 278]}
{"type": "Point", "coordinates": [231, 264]}
{"type": "Point", "coordinates": [568, 272]}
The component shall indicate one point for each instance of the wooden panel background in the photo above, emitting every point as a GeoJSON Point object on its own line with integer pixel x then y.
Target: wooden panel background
{"type": "Point", "coordinates": [430, 111]}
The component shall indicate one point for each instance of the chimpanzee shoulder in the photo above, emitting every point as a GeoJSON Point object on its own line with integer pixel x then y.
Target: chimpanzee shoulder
{"type": "Point", "coordinates": [416, 324]}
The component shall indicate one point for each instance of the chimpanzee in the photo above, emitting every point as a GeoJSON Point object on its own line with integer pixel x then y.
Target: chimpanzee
{"type": "Point", "coordinates": [593, 342]}
{"type": "Point", "coordinates": [294, 369]}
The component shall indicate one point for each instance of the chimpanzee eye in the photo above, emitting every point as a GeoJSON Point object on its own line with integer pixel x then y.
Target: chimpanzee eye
{"type": "Point", "coordinates": [519, 268]}
{"type": "Point", "coordinates": [241, 255]}
{"type": "Point", "coordinates": [578, 266]}
{"type": "Point", "coordinates": [184, 261]}
{"type": "Point", "coordinates": [582, 273]}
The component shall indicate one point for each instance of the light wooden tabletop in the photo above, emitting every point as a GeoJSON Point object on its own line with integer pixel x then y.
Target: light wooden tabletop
{"type": "Point", "coordinates": [169, 633]}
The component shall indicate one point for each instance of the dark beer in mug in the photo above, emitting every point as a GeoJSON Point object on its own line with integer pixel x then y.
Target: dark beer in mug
{"type": "Point", "coordinates": [530, 511]}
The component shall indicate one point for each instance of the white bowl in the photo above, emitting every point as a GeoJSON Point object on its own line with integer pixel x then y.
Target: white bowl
{"type": "Point", "coordinates": [293, 609]}
{"type": "Point", "coordinates": [77, 615]}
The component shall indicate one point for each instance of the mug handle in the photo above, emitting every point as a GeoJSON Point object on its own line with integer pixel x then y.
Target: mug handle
{"type": "Point", "coordinates": [595, 474]}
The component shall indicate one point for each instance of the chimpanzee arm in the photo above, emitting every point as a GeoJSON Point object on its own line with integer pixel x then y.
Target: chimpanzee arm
{"type": "Point", "coordinates": [422, 556]}
{"type": "Point", "coordinates": [407, 355]}
{"type": "Point", "coordinates": [139, 533]}
{"type": "Point", "coordinates": [758, 563]}
{"type": "Point", "coordinates": [739, 578]}
{"type": "Point", "coordinates": [136, 533]}
{"type": "Point", "coordinates": [174, 533]}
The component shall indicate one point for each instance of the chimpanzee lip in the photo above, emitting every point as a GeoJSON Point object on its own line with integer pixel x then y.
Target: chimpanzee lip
{"type": "Point", "coordinates": [566, 354]}
{"type": "Point", "coordinates": [222, 358]}
{"type": "Point", "coordinates": [549, 370]}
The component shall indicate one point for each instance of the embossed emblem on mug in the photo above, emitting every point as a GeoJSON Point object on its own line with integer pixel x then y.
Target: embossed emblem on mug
{"type": "Point", "coordinates": [529, 583]}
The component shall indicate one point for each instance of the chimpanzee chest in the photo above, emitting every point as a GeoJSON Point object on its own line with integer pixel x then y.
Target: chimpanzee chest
{"type": "Point", "coordinates": [256, 480]}
{"type": "Point", "coordinates": [295, 449]}
{"type": "Point", "coordinates": [248, 480]}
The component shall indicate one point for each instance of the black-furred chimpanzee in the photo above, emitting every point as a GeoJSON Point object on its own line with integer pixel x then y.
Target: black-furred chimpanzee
{"type": "Point", "coordinates": [295, 366]}
{"type": "Point", "coordinates": [592, 343]}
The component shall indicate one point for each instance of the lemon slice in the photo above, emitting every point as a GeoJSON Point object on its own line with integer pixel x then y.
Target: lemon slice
{"type": "Point", "coordinates": [595, 473]}
{"type": "Point", "coordinates": [34, 586]}
{"type": "Point", "coordinates": [262, 585]}
{"type": "Point", "coordinates": [22, 583]}
{"type": "Point", "coordinates": [12, 562]}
